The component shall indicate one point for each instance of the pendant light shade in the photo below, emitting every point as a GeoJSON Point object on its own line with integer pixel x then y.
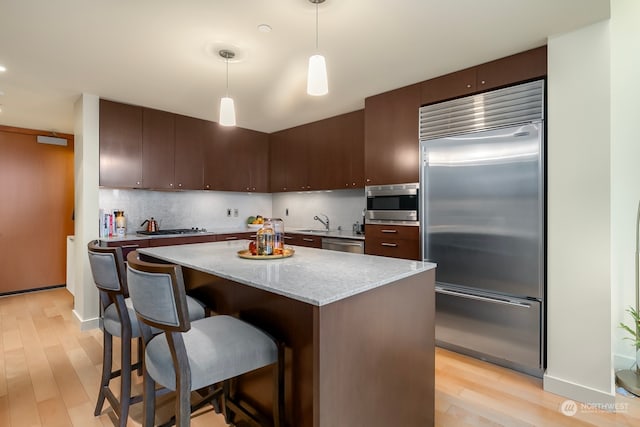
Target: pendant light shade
{"type": "Point", "coordinates": [227, 112]}
{"type": "Point", "coordinates": [317, 84]}
{"type": "Point", "coordinates": [227, 107]}
{"type": "Point", "coordinates": [317, 76]}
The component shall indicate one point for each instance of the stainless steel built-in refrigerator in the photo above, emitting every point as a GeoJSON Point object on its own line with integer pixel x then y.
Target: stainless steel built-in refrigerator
{"type": "Point", "coordinates": [482, 222]}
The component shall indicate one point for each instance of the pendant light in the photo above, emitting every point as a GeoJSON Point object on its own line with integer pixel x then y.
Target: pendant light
{"type": "Point", "coordinates": [227, 108]}
{"type": "Point", "coordinates": [317, 74]}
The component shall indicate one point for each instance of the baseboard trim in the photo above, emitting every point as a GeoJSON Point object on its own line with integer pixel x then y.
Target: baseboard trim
{"type": "Point", "coordinates": [623, 362]}
{"type": "Point", "coordinates": [577, 392]}
{"type": "Point", "coordinates": [86, 324]}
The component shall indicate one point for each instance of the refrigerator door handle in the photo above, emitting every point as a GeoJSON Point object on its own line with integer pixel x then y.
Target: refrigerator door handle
{"type": "Point", "coordinates": [441, 290]}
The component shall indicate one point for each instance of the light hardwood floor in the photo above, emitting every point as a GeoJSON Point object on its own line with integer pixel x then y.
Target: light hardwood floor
{"type": "Point", "coordinates": [49, 376]}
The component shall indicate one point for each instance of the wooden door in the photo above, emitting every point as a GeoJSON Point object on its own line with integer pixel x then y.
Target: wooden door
{"type": "Point", "coordinates": [36, 210]}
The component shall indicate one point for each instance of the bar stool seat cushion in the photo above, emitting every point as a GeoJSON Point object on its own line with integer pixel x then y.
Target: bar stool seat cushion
{"type": "Point", "coordinates": [112, 322]}
{"type": "Point", "coordinates": [218, 348]}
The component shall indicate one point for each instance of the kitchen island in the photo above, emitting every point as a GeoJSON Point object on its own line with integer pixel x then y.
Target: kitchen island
{"type": "Point", "coordinates": [359, 329]}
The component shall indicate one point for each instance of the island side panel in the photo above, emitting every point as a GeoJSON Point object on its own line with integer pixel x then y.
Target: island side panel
{"type": "Point", "coordinates": [288, 320]}
{"type": "Point", "coordinates": [375, 360]}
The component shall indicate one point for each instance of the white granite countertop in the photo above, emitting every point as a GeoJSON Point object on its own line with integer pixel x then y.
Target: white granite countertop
{"type": "Point", "coordinates": [314, 276]}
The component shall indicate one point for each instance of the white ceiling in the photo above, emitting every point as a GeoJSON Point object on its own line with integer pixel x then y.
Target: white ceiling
{"type": "Point", "coordinates": [163, 53]}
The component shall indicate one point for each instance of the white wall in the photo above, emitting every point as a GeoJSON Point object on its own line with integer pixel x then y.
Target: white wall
{"type": "Point", "coordinates": [579, 362]}
{"type": "Point", "coordinates": [343, 207]}
{"type": "Point", "coordinates": [625, 170]}
{"type": "Point", "coordinates": [86, 163]}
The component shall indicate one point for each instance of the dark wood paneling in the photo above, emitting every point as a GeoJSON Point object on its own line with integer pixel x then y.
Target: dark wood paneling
{"type": "Point", "coordinates": [375, 363]}
{"type": "Point", "coordinates": [158, 149]}
{"type": "Point", "coordinates": [391, 153]}
{"type": "Point", "coordinates": [120, 145]}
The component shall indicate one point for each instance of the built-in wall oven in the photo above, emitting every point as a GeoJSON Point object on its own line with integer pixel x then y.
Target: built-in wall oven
{"type": "Point", "coordinates": [393, 204]}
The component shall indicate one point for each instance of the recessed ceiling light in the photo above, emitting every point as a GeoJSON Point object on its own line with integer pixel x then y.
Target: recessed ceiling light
{"type": "Point", "coordinates": [3, 68]}
{"type": "Point", "coordinates": [264, 28]}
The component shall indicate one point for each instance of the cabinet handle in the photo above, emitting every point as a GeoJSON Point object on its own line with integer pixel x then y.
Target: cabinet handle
{"type": "Point", "coordinates": [388, 231]}
{"type": "Point", "coordinates": [170, 185]}
{"type": "Point", "coordinates": [255, 236]}
{"type": "Point", "coordinates": [389, 245]}
{"type": "Point", "coordinates": [231, 238]}
{"type": "Point", "coordinates": [129, 246]}
{"type": "Point", "coordinates": [306, 239]}
{"type": "Point", "coordinates": [482, 82]}
{"type": "Point", "coordinates": [206, 186]}
{"type": "Point", "coordinates": [468, 86]}
{"type": "Point", "coordinates": [286, 237]}
{"type": "Point", "coordinates": [368, 180]}
{"type": "Point", "coordinates": [137, 182]}
{"type": "Point", "coordinates": [179, 185]}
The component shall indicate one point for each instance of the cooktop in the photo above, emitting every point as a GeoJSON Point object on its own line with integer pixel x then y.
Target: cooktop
{"type": "Point", "coordinates": [172, 231]}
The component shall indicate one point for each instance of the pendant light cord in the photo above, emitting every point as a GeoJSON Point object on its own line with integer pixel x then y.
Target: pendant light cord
{"type": "Point", "coordinates": [317, 25]}
{"type": "Point", "coordinates": [226, 60]}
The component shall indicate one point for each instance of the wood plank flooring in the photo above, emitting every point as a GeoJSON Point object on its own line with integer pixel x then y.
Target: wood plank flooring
{"type": "Point", "coordinates": [50, 371]}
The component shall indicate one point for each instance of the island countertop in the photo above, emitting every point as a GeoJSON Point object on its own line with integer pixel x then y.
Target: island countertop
{"type": "Point", "coordinates": [313, 276]}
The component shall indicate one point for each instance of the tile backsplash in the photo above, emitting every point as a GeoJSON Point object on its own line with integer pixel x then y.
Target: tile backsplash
{"type": "Point", "coordinates": [208, 209]}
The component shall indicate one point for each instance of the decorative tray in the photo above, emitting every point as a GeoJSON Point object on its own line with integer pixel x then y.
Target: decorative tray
{"type": "Point", "coordinates": [247, 254]}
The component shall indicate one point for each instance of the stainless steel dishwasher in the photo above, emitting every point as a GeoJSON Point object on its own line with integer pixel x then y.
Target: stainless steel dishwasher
{"type": "Point", "coordinates": [343, 245]}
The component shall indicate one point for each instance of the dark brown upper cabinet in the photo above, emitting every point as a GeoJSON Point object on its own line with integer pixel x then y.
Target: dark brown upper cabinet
{"type": "Point", "coordinates": [502, 72]}
{"type": "Point", "coordinates": [158, 149]}
{"type": "Point", "coordinates": [322, 155]}
{"type": "Point", "coordinates": [192, 136]}
{"type": "Point", "coordinates": [120, 145]}
{"type": "Point", "coordinates": [391, 136]}
{"type": "Point", "coordinates": [244, 162]}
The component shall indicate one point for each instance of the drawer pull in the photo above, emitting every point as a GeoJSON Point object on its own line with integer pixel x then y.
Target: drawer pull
{"type": "Point", "coordinates": [389, 245]}
{"type": "Point", "coordinates": [231, 238]}
{"type": "Point", "coordinates": [286, 237]}
{"type": "Point", "coordinates": [129, 246]}
{"type": "Point", "coordinates": [388, 231]}
{"type": "Point", "coordinates": [306, 239]}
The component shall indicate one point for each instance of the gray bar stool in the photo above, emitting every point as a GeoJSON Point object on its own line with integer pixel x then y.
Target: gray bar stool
{"type": "Point", "coordinates": [193, 355]}
{"type": "Point", "coordinates": [119, 319]}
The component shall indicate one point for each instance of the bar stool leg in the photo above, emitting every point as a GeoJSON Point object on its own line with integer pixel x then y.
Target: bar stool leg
{"type": "Point", "coordinates": [107, 354]}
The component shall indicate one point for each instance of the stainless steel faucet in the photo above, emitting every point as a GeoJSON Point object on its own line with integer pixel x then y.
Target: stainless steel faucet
{"type": "Point", "coordinates": [325, 222]}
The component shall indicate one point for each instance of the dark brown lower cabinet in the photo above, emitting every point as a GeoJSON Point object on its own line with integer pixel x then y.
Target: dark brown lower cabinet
{"type": "Point", "coordinates": [396, 241]}
{"type": "Point", "coordinates": [128, 245]}
{"type": "Point", "coordinates": [303, 240]}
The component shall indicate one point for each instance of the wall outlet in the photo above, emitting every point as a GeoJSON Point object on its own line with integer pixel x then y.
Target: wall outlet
{"type": "Point", "coordinates": [235, 212]}
{"type": "Point", "coordinates": [228, 212]}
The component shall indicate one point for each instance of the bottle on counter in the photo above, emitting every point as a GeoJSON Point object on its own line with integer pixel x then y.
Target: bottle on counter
{"type": "Point", "coordinates": [264, 239]}
{"type": "Point", "coordinates": [121, 223]}
{"type": "Point", "coordinates": [278, 234]}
